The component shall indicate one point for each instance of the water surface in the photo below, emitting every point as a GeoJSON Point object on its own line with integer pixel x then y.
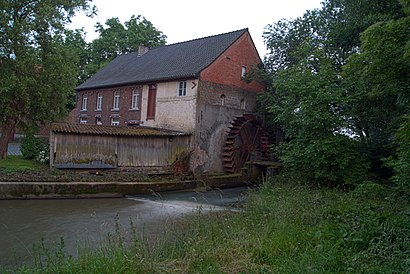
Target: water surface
{"type": "Point", "coordinates": [86, 222]}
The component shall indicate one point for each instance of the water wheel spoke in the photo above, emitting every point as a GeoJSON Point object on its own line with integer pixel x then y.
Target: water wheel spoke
{"type": "Point", "coordinates": [245, 137]}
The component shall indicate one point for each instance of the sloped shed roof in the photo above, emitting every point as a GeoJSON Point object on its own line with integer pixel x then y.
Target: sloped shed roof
{"type": "Point", "coordinates": [175, 61]}
{"type": "Point", "coordinates": [113, 130]}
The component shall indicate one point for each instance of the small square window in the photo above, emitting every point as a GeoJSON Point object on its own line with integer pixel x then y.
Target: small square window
{"type": "Point", "coordinates": [83, 120]}
{"type": "Point", "coordinates": [115, 121]}
{"type": "Point", "coordinates": [182, 88]}
{"type": "Point", "coordinates": [98, 120]}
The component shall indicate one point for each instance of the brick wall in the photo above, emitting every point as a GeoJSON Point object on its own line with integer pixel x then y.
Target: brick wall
{"type": "Point", "coordinates": [237, 98]}
{"type": "Point", "coordinates": [125, 113]}
{"type": "Point", "coordinates": [227, 68]}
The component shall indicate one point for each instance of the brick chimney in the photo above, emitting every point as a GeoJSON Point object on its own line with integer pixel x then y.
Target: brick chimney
{"type": "Point", "coordinates": [142, 50]}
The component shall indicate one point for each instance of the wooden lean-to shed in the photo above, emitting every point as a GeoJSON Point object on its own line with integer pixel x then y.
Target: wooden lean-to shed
{"type": "Point", "coordinates": [96, 146]}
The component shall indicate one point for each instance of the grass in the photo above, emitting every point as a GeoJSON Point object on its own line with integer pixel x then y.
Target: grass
{"type": "Point", "coordinates": [18, 163]}
{"type": "Point", "coordinates": [285, 228]}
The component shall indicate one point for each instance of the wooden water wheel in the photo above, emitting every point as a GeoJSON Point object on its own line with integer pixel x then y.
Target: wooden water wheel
{"type": "Point", "coordinates": [245, 141]}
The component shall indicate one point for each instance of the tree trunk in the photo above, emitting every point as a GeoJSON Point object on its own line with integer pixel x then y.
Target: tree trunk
{"type": "Point", "coordinates": [7, 131]}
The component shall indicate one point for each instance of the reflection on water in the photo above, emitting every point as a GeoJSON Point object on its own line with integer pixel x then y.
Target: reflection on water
{"type": "Point", "coordinates": [25, 222]}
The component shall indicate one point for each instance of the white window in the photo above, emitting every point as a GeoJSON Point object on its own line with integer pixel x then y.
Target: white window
{"type": "Point", "coordinates": [134, 99]}
{"type": "Point", "coordinates": [116, 104]}
{"type": "Point", "coordinates": [182, 88]}
{"type": "Point", "coordinates": [84, 105]}
{"type": "Point", "coordinates": [98, 120]}
{"type": "Point", "coordinates": [243, 73]}
{"type": "Point", "coordinates": [115, 121]}
{"type": "Point", "coordinates": [83, 120]}
{"type": "Point", "coordinates": [99, 101]}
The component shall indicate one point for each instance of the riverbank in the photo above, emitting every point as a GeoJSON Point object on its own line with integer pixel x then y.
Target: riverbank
{"type": "Point", "coordinates": [285, 227]}
{"type": "Point", "coordinates": [26, 179]}
{"type": "Point", "coordinates": [102, 189]}
{"type": "Point", "coordinates": [49, 190]}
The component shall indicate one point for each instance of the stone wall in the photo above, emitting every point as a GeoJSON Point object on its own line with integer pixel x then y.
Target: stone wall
{"type": "Point", "coordinates": [214, 116]}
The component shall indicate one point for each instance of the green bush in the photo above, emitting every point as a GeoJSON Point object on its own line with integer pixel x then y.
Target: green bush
{"type": "Point", "coordinates": [330, 161]}
{"type": "Point", "coordinates": [33, 147]}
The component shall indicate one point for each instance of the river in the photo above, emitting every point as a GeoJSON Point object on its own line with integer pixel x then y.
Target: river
{"type": "Point", "coordinates": [86, 222]}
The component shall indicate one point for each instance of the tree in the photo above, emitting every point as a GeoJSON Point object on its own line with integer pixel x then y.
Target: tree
{"type": "Point", "coordinates": [309, 104]}
{"type": "Point", "coordinates": [335, 27]}
{"type": "Point", "coordinates": [401, 164]}
{"type": "Point", "coordinates": [378, 81]}
{"type": "Point", "coordinates": [318, 111]}
{"type": "Point", "coordinates": [74, 42]}
{"type": "Point", "coordinates": [116, 39]}
{"type": "Point", "coordinates": [36, 68]}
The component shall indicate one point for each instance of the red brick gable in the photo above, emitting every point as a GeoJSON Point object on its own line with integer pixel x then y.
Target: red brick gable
{"type": "Point", "coordinates": [227, 68]}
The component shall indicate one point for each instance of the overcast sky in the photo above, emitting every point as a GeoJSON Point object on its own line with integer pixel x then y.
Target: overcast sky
{"type": "Point", "coordinates": [183, 20]}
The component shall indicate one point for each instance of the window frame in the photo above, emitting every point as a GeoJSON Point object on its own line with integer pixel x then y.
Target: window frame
{"type": "Point", "coordinates": [98, 106]}
{"type": "Point", "coordinates": [84, 102]}
{"type": "Point", "coordinates": [223, 100]}
{"type": "Point", "coordinates": [182, 88]}
{"type": "Point", "coordinates": [83, 121]}
{"type": "Point", "coordinates": [243, 72]}
{"type": "Point", "coordinates": [135, 99]}
{"type": "Point", "coordinates": [116, 100]}
{"type": "Point", "coordinates": [98, 120]}
{"type": "Point", "coordinates": [117, 123]}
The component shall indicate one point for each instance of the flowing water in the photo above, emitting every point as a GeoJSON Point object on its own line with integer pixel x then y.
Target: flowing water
{"type": "Point", "coordinates": [86, 222]}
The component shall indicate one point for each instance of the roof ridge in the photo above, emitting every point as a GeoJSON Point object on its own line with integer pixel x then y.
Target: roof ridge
{"type": "Point", "coordinates": [200, 38]}
{"type": "Point", "coordinates": [182, 42]}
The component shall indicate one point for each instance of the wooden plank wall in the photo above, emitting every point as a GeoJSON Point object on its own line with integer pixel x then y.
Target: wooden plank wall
{"type": "Point", "coordinates": [158, 151]}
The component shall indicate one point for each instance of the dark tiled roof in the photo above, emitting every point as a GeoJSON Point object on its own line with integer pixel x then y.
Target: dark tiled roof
{"type": "Point", "coordinates": [113, 130]}
{"type": "Point", "coordinates": [176, 61]}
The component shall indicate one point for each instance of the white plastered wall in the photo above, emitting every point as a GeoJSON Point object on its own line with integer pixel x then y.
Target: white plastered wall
{"type": "Point", "coordinates": [172, 111]}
